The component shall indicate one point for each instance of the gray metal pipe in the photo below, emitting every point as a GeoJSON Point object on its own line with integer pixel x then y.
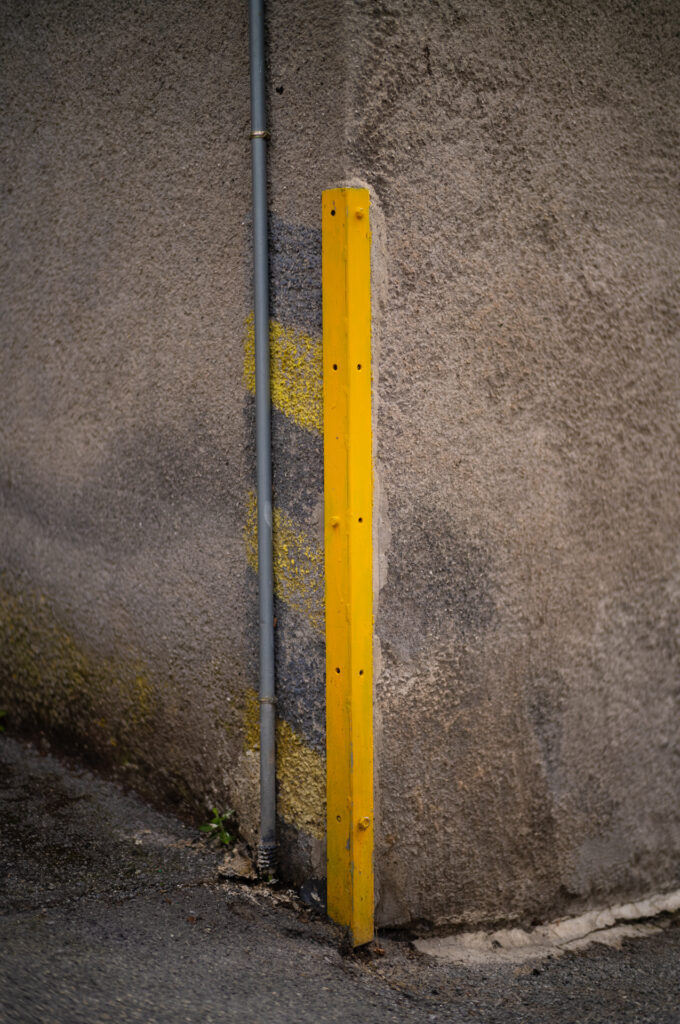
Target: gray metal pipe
{"type": "Point", "coordinates": [266, 854]}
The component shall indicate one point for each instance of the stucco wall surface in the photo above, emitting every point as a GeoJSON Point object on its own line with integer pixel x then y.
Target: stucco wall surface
{"type": "Point", "coordinates": [125, 286]}
{"type": "Point", "coordinates": [128, 619]}
{"type": "Point", "coordinates": [526, 158]}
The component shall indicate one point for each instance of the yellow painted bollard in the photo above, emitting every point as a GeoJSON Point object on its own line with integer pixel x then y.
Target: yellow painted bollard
{"type": "Point", "coordinates": [348, 485]}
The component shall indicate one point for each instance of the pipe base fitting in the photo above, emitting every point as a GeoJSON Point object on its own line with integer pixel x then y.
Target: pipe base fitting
{"type": "Point", "coordinates": [266, 860]}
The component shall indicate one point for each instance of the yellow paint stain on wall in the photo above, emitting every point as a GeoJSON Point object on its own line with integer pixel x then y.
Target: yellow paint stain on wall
{"type": "Point", "coordinates": [296, 361]}
{"type": "Point", "coordinates": [301, 777]}
{"type": "Point", "coordinates": [298, 563]}
{"type": "Point", "coordinates": [300, 772]}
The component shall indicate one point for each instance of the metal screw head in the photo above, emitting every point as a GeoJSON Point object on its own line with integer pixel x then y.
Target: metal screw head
{"type": "Point", "coordinates": [359, 212]}
{"type": "Point", "coordinates": [363, 823]}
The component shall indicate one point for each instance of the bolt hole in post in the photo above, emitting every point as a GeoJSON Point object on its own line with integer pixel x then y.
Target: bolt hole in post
{"type": "Point", "coordinates": [338, 671]}
{"type": "Point", "coordinates": [361, 519]}
{"type": "Point", "coordinates": [361, 671]}
{"type": "Point", "coordinates": [358, 366]}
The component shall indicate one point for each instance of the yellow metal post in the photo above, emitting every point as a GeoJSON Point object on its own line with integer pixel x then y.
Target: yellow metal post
{"type": "Point", "coordinates": [348, 484]}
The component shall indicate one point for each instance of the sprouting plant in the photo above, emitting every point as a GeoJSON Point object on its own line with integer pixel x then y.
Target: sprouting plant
{"type": "Point", "coordinates": [216, 827]}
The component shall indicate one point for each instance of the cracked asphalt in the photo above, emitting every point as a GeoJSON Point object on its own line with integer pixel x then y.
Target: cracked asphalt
{"type": "Point", "coordinates": [111, 911]}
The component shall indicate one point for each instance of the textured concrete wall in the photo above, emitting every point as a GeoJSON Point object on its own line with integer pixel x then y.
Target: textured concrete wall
{"type": "Point", "coordinates": [125, 287]}
{"type": "Point", "coordinates": [526, 158]}
{"type": "Point", "coordinates": [128, 623]}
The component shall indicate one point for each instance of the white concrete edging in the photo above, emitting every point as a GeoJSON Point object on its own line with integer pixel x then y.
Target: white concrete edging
{"type": "Point", "coordinates": [515, 945]}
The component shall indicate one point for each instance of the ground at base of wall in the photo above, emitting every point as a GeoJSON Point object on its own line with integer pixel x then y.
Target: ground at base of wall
{"type": "Point", "coordinates": [112, 911]}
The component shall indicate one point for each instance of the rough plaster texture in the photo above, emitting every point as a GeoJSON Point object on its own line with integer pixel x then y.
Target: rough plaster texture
{"type": "Point", "coordinates": [125, 284]}
{"type": "Point", "coordinates": [526, 159]}
{"type": "Point", "coordinates": [129, 615]}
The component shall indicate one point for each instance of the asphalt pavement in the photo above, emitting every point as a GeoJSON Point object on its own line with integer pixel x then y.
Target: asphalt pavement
{"type": "Point", "coordinates": [113, 912]}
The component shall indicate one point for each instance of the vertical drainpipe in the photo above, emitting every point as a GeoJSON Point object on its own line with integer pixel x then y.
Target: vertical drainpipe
{"type": "Point", "coordinates": [266, 854]}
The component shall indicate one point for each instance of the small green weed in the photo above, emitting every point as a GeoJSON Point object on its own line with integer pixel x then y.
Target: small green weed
{"type": "Point", "coordinates": [217, 827]}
